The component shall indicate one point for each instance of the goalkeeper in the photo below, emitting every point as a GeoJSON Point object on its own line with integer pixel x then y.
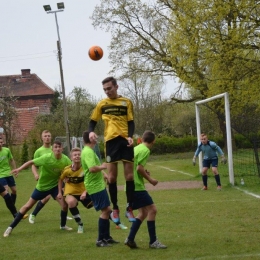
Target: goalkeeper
{"type": "Point", "coordinates": [210, 152]}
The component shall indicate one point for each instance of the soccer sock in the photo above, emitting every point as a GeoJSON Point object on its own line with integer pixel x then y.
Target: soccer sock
{"type": "Point", "coordinates": [134, 229]}
{"type": "Point", "coordinates": [75, 213]}
{"type": "Point", "coordinates": [205, 180]}
{"type": "Point", "coordinates": [102, 225]}
{"type": "Point", "coordinates": [107, 229]}
{"type": "Point", "coordinates": [13, 196]}
{"type": "Point", "coordinates": [63, 218]}
{"type": "Point", "coordinates": [17, 219]}
{"type": "Point", "coordinates": [112, 187]}
{"type": "Point", "coordinates": [9, 204]}
{"type": "Point", "coordinates": [217, 178]}
{"type": "Point", "coordinates": [130, 189]}
{"type": "Point", "coordinates": [38, 207]}
{"type": "Point", "coordinates": [151, 230]}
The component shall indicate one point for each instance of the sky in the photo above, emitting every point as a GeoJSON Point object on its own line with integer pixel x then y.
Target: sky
{"type": "Point", "coordinates": [29, 41]}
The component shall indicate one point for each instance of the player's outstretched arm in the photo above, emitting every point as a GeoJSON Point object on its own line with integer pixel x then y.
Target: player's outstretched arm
{"type": "Point", "coordinates": [22, 167]}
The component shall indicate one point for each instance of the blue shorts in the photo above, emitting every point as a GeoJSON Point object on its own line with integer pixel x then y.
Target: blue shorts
{"type": "Point", "coordinates": [100, 200]}
{"type": "Point", "coordinates": [8, 181]}
{"type": "Point", "coordinates": [207, 162]}
{"type": "Point", "coordinates": [39, 195]}
{"type": "Point", "coordinates": [142, 199]}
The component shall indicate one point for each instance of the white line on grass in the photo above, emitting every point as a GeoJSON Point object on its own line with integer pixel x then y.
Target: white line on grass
{"type": "Point", "coordinates": [224, 257]}
{"type": "Point", "coordinates": [171, 170]}
{"type": "Point", "coordinates": [249, 193]}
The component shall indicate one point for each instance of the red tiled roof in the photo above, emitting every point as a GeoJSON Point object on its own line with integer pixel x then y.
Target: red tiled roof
{"type": "Point", "coordinates": [19, 86]}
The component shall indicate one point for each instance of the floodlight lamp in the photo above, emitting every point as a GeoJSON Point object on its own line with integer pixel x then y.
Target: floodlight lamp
{"type": "Point", "coordinates": [60, 5]}
{"type": "Point", "coordinates": [47, 8]}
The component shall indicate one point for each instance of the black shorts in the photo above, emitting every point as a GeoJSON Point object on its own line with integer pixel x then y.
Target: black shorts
{"type": "Point", "coordinates": [142, 199]}
{"type": "Point", "coordinates": [87, 202]}
{"type": "Point", "coordinates": [2, 188]}
{"type": "Point", "coordinates": [117, 150]}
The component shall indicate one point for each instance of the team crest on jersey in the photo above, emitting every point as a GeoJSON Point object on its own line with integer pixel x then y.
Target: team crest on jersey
{"type": "Point", "coordinates": [123, 103]}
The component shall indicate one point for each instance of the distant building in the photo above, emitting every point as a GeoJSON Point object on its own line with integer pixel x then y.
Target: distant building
{"type": "Point", "coordinates": [33, 97]}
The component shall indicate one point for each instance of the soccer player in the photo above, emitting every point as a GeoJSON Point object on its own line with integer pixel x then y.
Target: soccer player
{"type": "Point", "coordinates": [117, 113]}
{"type": "Point", "coordinates": [142, 200]}
{"type": "Point", "coordinates": [74, 189]}
{"type": "Point", "coordinates": [7, 163]}
{"type": "Point", "coordinates": [52, 165]}
{"type": "Point", "coordinates": [44, 149]}
{"type": "Point", "coordinates": [210, 150]}
{"type": "Point", "coordinates": [96, 187]}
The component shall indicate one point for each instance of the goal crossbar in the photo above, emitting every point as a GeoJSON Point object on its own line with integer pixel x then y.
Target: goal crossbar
{"type": "Point", "coordinates": [228, 130]}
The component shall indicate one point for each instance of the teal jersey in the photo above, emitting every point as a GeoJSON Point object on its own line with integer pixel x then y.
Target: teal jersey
{"type": "Point", "coordinates": [5, 157]}
{"type": "Point", "coordinates": [50, 170]}
{"type": "Point", "coordinates": [141, 153]}
{"type": "Point", "coordinates": [210, 150]}
{"type": "Point", "coordinates": [94, 182]}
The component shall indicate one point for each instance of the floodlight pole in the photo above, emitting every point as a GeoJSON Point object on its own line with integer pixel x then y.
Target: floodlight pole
{"type": "Point", "coordinates": [65, 109]}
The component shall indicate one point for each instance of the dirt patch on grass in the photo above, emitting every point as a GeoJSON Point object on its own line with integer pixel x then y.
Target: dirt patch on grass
{"type": "Point", "coordinates": [172, 185]}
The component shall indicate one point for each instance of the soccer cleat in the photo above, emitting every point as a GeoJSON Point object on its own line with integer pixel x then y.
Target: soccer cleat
{"type": "Point", "coordinates": [102, 243]}
{"type": "Point", "coordinates": [110, 241]}
{"type": "Point", "coordinates": [25, 216]}
{"type": "Point", "coordinates": [31, 219]}
{"type": "Point", "coordinates": [130, 215]}
{"type": "Point", "coordinates": [7, 232]}
{"type": "Point", "coordinates": [80, 229]}
{"type": "Point", "coordinates": [157, 244]}
{"type": "Point", "coordinates": [114, 215]}
{"type": "Point", "coordinates": [66, 228]}
{"type": "Point", "coordinates": [204, 188]}
{"type": "Point", "coordinates": [219, 188]}
{"type": "Point", "coordinates": [121, 226]}
{"type": "Point", "coordinates": [130, 243]}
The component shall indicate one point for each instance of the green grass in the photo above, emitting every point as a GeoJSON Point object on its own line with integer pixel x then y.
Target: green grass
{"type": "Point", "coordinates": [194, 224]}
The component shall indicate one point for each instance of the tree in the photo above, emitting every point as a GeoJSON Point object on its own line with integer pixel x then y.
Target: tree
{"type": "Point", "coordinates": [211, 46]}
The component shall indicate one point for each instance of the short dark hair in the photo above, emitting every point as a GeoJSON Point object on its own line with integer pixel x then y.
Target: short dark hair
{"type": "Point", "coordinates": [58, 142]}
{"type": "Point", "coordinates": [108, 79]}
{"type": "Point", "coordinates": [148, 136]}
{"type": "Point", "coordinates": [86, 137]}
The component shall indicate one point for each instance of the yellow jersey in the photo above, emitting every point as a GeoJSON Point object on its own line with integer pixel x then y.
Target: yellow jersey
{"type": "Point", "coordinates": [75, 184]}
{"type": "Point", "coordinates": [115, 113]}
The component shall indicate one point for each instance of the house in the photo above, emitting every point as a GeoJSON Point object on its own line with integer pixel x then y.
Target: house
{"type": "Point", "coordinates": [32, 97]}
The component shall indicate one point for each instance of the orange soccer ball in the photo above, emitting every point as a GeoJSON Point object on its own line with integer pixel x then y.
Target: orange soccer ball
{"type": "Point", "coordinates": [95, 53]}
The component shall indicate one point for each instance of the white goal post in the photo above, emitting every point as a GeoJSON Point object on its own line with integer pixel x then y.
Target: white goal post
{"type": "Point", "coordinates": [228, 129]}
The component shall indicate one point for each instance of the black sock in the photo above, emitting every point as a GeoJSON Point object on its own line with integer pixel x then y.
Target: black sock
{"type": "Point", "coordinates": [75, 213]}
{"type": "Point", "coordinates": [112, 187]}
{"type": "Point", "coordinates": [13, 196]}
{"type": "Point", "coordinates": [102, 223]}
{"type": "Point", "coordinates": [9, 204]}
{"type": "Point", "coordinates": [130, 189]}
{"type": "Point", "coordinates": [217, 178]}
{"type": "Point", "coordinates": [18, 218]}
{"type": "Point", "coordinates": [134, 229]}
{"type": "Point", "coordinates": [151, 231]}
{"type": "Point", "coordinates": [38, 207]}
{"type": "Point", "coordinates": [63, 218]}
{"type": "Point", "coordinates": [205, 180]}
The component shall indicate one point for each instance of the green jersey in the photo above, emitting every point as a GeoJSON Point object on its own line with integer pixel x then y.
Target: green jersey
{"type": "Point", "coordinates": [50, 170]}
{"type": "Point", "coordinates": [141, 153]}
{"type": "Point", "coordinates": [5, 157]}
{"type": "Point", "coordinates": [41, 151]}
{"type": "Point", "coordinates": [94, 182]}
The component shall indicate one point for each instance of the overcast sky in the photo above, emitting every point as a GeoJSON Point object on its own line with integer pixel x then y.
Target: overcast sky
{"type": "Point", "coordinates": [29, 41]}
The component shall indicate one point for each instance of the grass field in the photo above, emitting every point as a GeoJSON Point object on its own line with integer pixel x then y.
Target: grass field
{"type": "Point", "coordinates": [194, 224]}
